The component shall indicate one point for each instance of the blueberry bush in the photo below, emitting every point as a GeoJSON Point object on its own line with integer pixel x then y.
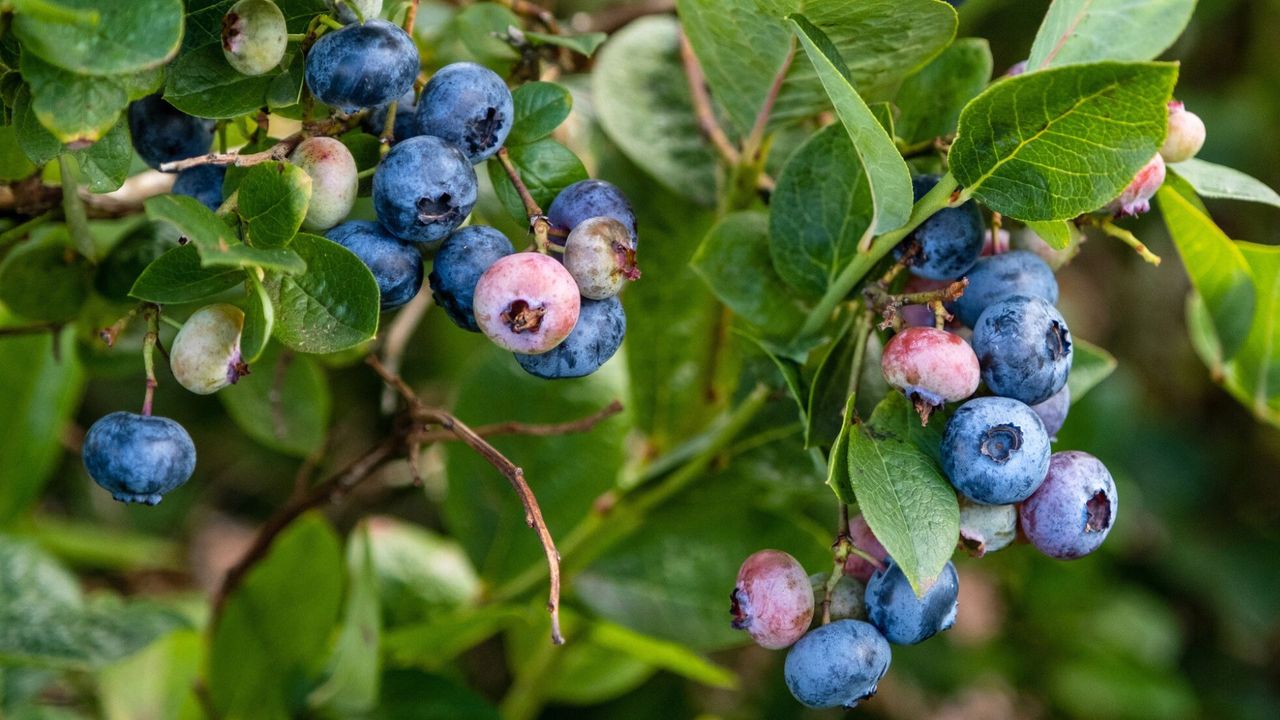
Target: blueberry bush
{"type": "Point", "coordinates": [414, 359]}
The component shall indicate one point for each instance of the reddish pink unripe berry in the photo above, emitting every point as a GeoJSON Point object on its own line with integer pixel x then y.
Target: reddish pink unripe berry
{"type": "Point", "coordinates": [930, 366]}
{"type": "Point", "coordinates": [773, 600]}
{"type": "Point", "coordinates": [859, 567]}
{"type": "Point", "coordinates": [1136, 199]}
{"type": "Point", "coordinates": [527, 303]}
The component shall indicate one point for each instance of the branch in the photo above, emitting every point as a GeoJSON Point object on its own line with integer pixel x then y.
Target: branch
{"type": "Point", "coordinates": [277, 152]}
{"type": "Point", "coordinates": [530, 430]}
{"type": "Point", "coordinates": [539, 225]}
{"type": "Point", "coordinates": [702, 104]}
{"type": "Point", "coordinates": [755, 140]}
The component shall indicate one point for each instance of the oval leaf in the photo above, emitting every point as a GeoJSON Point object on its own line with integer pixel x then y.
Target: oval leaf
{"type": "Point", "coordinates": [1080, 31]}
{"type": "Point", "coordinates": [126, 37]}
{"type": "Point", "coordinates": [734, 261]}
{"type": "Point", "coordinates": [540, 107]}
{"type": "Point", "coordinates": [178, 277]}
{"type": "Point", "coordinates": [273, 198]}
{"type": "Point", "coordinates": [930, 100]}
{"type": "Point", "coordinates": [331, 307]}
{"type": "Point", "coordinates": [284, 403]}
{"type": "Point", "coordinates": [1224, 183]}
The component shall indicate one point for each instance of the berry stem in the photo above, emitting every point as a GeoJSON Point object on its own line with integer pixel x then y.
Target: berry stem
{"type": "Point", "coordinates": [410, 16]}
{"type": "Point", "coordinates": [1115, 231]}
{"type": "Point", "coordinates": [152, 314]}
{"type": "Point", "coordinates": [389, 128]}
{"type": "Point", "coordinates": [943, 195]}
{"type": "Point", "coordinates": [170, 322]}
{"type": "Point", "coordinates": [538, 223]}
{"type": "Point", "coordinates": [330, 22]}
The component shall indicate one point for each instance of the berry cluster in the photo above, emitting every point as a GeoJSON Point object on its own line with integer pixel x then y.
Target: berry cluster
{"type": "Point", "coordinates": [555, 307]}
{"type": "Point", "coordinates": [1003, 337]}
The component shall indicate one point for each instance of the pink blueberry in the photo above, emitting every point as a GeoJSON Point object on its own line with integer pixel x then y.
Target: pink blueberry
{"type": "Point", "coordinates": [527, 303]}
{"type": "Point", "coordinates": [773, 600]}
{"type": "Point", "coordinates": [599, 256]}
{"type": "Point", "coordinates": [856, 566]}
{"type": "Point", "coordinates": [334, 180]}
{"type": "Point", "coordinates": [930, 366]}
{"type": "Point", "coordinates": [1136, 198]}
{"type": "Point", "coordinates": [1186, 134]}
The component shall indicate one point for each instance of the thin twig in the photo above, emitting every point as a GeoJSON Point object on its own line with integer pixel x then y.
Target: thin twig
{"type": "Point", "coordinates": [410, 16]}
{"type": "Point", "coordinates": [702, 107]}
{"type": "Point", "coordinates": [539, 225]}
{"type": "Point", "coordinates": [1128, 238]}
{"type": "Point", "coordinates": [527, 429]}
{"type": "Point", "coordinates": [397, 341]}
{"type": "Point", "coordinates": [755, 140]}
{"type": "Point", "coordinates": [277, 152]}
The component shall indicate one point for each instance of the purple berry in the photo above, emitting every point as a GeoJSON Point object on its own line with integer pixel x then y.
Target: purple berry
{"type": "Point", "coordinates": [424, 189]}
{"type": "Point", "coordinates": [469, 106]}
{"type": "Point", "coordinates": [527, 303]}
{"type": "Point", "coordinates": [948, 243]}
{"type": "Point", "coordinates": [597, 336]}
{"type": "Point", "coordinates": [599, 256]}
{"type": "Point", "coordinates": [588, 199]}
{"type": "Point", "coordinates": [837, 665]}
{"type": "Point", "coordinates": [461, 260]}
{"type": "Point", "coordinates": [905, 618]}
{"type": "Point", "coordinates": [932, 367]}
{"type": "Point", "coordinates": [1025, 349]}
{"type": "Point", "coordinates": [1074, 509]}
{"type": "Point", "coordinates": [995, 450]}
{"type": "Point", "coordinates": [772, 600]}
{"type": "Point", "coordinates": [1053, 412]}
{"type": "Point", "coordinates": [162, 133]}
{"type": "Point", "coordinates": [362, 65]}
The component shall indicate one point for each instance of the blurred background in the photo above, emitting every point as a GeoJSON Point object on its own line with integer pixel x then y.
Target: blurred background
{"type": "Point", "coordinates": [1178, 616]}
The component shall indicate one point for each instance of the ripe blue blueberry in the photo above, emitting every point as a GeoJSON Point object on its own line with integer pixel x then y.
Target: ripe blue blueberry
{"type": "Point", "coordinates": [904, 618]}
{"type": "Point", "coordinates": [406, 125]}
{"type": "Point", "coordinates": [837, 665]}
{"type": "Point", "coordinates": [202, 182]}
{"type": "Point", "coordinates": [588, 199]}
{"type": "Point", "coordinates": [1024, 347]}
{"type": "Point", "coordinates": [1053, 412]}
{"type": "Point", "coordinates": [396, 265]}
{"type": "Point", "coordinates": [995, 450]}
{"type": "Point", "coordinates": [138, 458]}
{"type": "Point", "coordinates": [362, 65]}
{"type": "Point", "coordinates": [597, 336]}
{"type": "Point", "coordinates": [469, 106]}
{"type": "Point", "coordinates": [1074, 509]}
{"type": "Point", "coordinates": [997, 277]}
{"type": "Point", "coordinates": [461, 260]}
{"type": "Point", "coordinates": [162, 133]}
{"type": "Point", "coordinates": [948, 243]}
{"type": "Point", "coordinates": [424, 189]}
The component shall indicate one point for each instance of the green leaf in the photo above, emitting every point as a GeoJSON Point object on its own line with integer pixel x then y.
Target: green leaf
{"type": "Point", "coordinates": [276, 624]}
{"type": "Point", "coordinates": [433, 644]}
{"type": "Point", "coordinates": [82, 639]}
{"type": "Point", "coordinates": [85, 544]}
{"type": "Point", "coordinates": [1057, 233]}
{"type": "Point", "coordinates": [178, 277]}
{"type": "Point", "coordinates": [128, 36]}
{"type": "Point", "coordinates": [546, 167]}
{"type": "Point", "coordinates": [215, 240]}
{"type": "Point", "coordinates": [403, 691]}
{"type": "Point", "coordinates": [641, 99]}
{"type": "Point", "coordinates": [273, 200]}
{"type": "Point", "coordinates": [105, 164]}
{"type": "Point", "coordinates": [888, 178]}
{"type": "Point", "coordinates": [1215, 264]}
{"type": "Point", "coordinates": [1253, 374]}
{"type": "Point", "coordinates": [1090, 365]}
{"type": "Point", "coordinates": [333, 306]}
{"type": "Point", "coordinates": [569, 471]}
{"type": "Point", "coordinates": [285, 90]}
{"type": "Point", "coordinates": [45, 280]}
{"type": "Point", "coordinates": [1204, 340]}
{"type": "Point", "coordinates": [259, 321]}
{"type": "Point", "coordinates": [1224, 183]}
{"type": "Point", "coordinates": [734, 261]}
{"type": "Point", "coordinates": [838, 459]}
{"type": "Point", "coordinates": [200, 82]}
{"type": "Point", "coordinates": [1081, 31]}
{"type": "Point", "coordinates": [908, 503]}
{"type": "Point", "coordinates": [585, 44]}
{"type": "Point", "coordinates": [662, 654]}
{"type": "Point", "coordinates": [76, 109]}
{"type": "Point", "coordinates": [41, 394]}
{"type": "Point", "coordinates": [540, 107]}
{"type": "Point", "coordinates": [1052, 145]}
{"type": "Point", "coordinates": [158, 682]}
{"type": "Point", "coordinates": [296, 420]}
{"type": "Point", "coordinates": [930, 100]}
{"type": "Point", "coordinates": [351, 687]}
{"type": "Point", "coordinates": [475, 26]}
{"type": "Point", "coordinates": [29, 576]}
{"type": "Point", "coordinates": [820, 210]}
{"type": "Point", "coordinates": [14, 163]}
{"type": "Point", "coordinates": [419, 572]}
{"type": "Point", "coordinates": [741, 45]}
{"type": "Point", "coordinates": [586, 673]}
{"type": "Point", "coordinates": [829, 387]}
{"type": "Point", "coordinates": [38, 143]}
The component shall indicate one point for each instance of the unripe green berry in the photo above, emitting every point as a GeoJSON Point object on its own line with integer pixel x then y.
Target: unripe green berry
{"type": "Point", "coordinates": [1186, 134]}
{"type": "Point", "coordinates": [599, 256]}
{"type": "Point", "coordinates": [254, 36]}
{"type": "Point", "coordinates": [205, 356]}
{"type": "Point", "coordinates": [334, 180]}
{"type": "Point", "coordinates": [370, 9]}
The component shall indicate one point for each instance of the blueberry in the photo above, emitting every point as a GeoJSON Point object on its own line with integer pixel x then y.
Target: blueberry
{"type": "Point", "coordinates": [995, 450]}
{"type": "Point", "coordinates": [254, 36]}
{"type": "Point", "coordinates": [469, 106]}
{"type": "Point", "coordinates": [596, 337]}
{"type": "Point", "coordinates": [987, 528]}
{"type": "Point", "coordinates": [138, 458]}
{"type": "Point", "coordinates": [588, 199]}
{"type": "Point", "coordinates": [948, 243]}
{"type": "Point", "coordinates": [599, 256]}
{"type": "Point", "coordinates": [205, 354]}
{"type": "Point", "coordinates": [1074, 509]}
{"type": "Point", "coordinates": [1185, 136]}
{"type": "Point", "coordinates": [846, 598]}
{"type": "Point", "coordinates": [1053, 412]}
{"type": "Point", "coordinates": [837, 665]}
{"type": "Point", "coordinates": [396, 265]}
{"type": "Point", "coordinates": [863, 539]}
{"type": "Point", "coordinates": [1024, 347]}
{"type": "Point", "coordinates": [905, 618]}
{"type": "Point", "coordinates": [424, 189]}
{"type": "Point", "coordinates": [334, 180]}
{"type": "Point", "coordinates": [369, 9]}
{"type": "Point", "coordinates": [162, 133]}
{"type": "Point", "coordinates": [995, 278]}
{"type": "Point", "coordinates": [461, 260]}
{"type": "Point", "coordinates": [202, 182]}
{"type": "Point", "coordinates": [930, 366]}
{"type": "Point", "coordinates": [362, 65]}
{"type": "Point", "coordinates": [406, 125]}
{"type": "Point", "coordinates": [772, 599]}
{"type": "Point", "coordinates": [527, 303]}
